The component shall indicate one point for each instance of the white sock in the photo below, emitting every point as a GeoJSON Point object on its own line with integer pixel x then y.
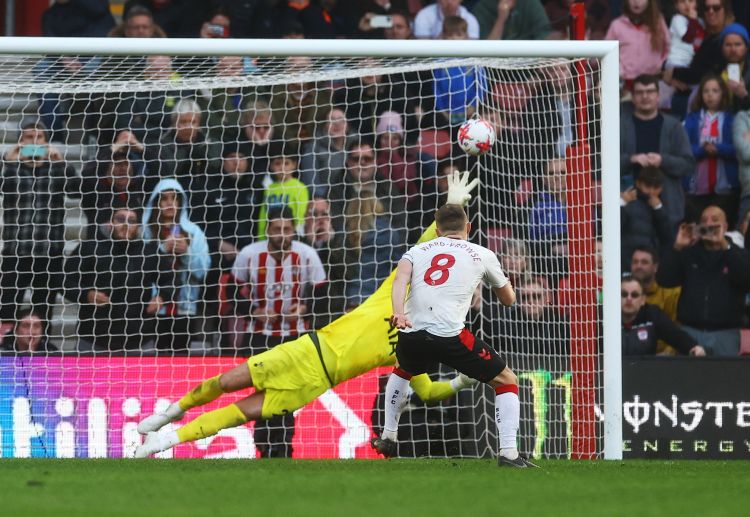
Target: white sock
{"type": "Point", "coordinates": [507, 416]}
{"type": "Point", "coordinates": [174, 411]}
{"type": "Point", "coordinates": [395, 396]}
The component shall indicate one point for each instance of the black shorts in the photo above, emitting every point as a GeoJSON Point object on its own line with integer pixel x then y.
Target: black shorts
{"type": "Point", "coordinates": [418, 352]}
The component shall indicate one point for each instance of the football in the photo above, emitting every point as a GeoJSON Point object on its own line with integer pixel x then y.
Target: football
{"type": "Point", "coordinates": [476, 136]}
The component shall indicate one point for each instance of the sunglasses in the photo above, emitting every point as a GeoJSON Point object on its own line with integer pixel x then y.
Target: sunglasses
{"type": "Point", "coordinates": [631, 294]}
{"type": "Point", "coordinates": [714, 8]}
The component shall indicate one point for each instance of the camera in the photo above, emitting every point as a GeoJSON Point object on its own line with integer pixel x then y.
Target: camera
{"type": "Point", "coordinates": [33, 151]}
{"type": "Point", "coordinates": [381, 22]}
{"type": "Point", "coordinates": [218, 31]}
{"type": "Point", "coordinates": [704, 231]}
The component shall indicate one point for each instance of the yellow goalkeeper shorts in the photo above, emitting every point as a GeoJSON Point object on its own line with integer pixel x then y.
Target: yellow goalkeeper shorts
{"type": "Point", "coordinates": [291, 375]}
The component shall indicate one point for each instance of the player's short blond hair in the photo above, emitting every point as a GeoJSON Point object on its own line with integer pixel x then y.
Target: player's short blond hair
{"type": "Point", "coordinates": [451, 218]}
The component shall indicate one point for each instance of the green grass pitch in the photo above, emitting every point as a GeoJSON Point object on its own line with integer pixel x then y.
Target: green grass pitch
{"type": "Point", "coordinates": [457, 488]}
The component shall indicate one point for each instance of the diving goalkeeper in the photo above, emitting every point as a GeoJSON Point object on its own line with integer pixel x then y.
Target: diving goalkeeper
{"type": "Point", "coordinates": [295, 373]}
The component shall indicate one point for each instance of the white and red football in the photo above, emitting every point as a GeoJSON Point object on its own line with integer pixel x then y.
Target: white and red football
{"type": "Point", "coordinates": [476, 136]}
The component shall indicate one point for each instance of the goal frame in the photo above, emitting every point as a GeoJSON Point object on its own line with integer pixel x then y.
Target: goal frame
{"type": "Point", "coordinates": [606, 51]}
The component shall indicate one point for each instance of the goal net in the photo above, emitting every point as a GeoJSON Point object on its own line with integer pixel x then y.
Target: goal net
{"type": "Point", "coordinates": [134, 185]}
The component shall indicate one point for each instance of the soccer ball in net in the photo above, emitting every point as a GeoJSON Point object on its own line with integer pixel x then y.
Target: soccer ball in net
{"type": "Point", "coordinates": [476, 136]}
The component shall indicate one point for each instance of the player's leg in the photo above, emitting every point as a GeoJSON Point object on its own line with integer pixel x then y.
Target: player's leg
{"type": "Point", "coordinates": [205, 425]}
{"type": "Point", "coordinates": [475, 358]}
{"type": "Point", "coordinates": [507, 417]}
{"type": "Point", "coordinates": [396, 391]}
{"type": "Point", "coordinates": [411, 360]}
{"type": "Point", "coordinates": [207, 391]}
{"type": "Point", "coordinates": [273, 436]}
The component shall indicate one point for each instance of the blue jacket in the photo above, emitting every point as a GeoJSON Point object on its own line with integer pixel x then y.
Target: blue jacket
{"type": "Point", "coordinates": [548, 219]}
{"type": "Point", "coordinates": [725, 147]}
{"type": "Point", "coordinates": [192, 267]}
{"type": "Point", "coordinates": [457, 88]}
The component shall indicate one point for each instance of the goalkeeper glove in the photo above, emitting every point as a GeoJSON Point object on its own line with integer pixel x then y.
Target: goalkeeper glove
{"type": "Point", "coordinates": [459, 188]}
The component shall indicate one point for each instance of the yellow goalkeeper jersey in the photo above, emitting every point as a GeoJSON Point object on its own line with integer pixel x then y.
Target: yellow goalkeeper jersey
{"type": "Point", "coordinates": [364, 338]}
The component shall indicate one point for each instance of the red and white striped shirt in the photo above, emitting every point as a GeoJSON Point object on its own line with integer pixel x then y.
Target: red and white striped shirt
{"type": "Point", "coordinates": [277, 287]}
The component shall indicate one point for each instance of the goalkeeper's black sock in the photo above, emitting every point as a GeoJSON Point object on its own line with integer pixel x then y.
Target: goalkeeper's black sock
{"type": "Point", "coordinates": [395, 397]}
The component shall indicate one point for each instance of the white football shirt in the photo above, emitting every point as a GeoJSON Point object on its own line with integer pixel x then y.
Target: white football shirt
{"type": "Point", "coordinates": [278, 286]}
{"type": "Point", "coordinates": [445, 274]}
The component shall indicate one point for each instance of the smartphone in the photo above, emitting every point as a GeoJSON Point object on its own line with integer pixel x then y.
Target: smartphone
{"type": "Point", "coordinates": [733, 72]}
{"type": "Point", "coordinates": [381, 22]}
{"type": "Point", "coordinates": [33, 151]}
{"type": "Point", "coordinates": [218, 31]}
{"type": "Point", "coordinates": [626, 182]}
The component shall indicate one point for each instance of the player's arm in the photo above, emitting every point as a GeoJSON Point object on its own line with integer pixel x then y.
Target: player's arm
{"type": "Point", "coordinates": [398, 294]}
{"type": "Point", "coordinates": [506, 294]}
{"type": "Point", "coordinates": [433, 392]}
{"type": "Point", "coordinates": [500, 284]}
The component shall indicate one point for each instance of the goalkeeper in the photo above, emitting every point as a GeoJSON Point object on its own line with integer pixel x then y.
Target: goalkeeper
{"type": "Point", "coordinates": [295, 373]}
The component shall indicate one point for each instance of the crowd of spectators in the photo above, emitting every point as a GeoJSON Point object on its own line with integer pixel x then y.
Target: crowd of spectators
{"type": "Point", "coordinates": [254, 214]}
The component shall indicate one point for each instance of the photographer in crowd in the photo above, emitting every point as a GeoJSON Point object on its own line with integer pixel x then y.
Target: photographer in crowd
{"type": "Point", "coordinates": [715, 275]}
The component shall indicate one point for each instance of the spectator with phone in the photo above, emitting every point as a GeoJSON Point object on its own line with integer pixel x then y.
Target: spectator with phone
{"type": "Point", "coordinates": [734, 69]}
{"type": "Point", "coordinates": [372, 24]}
{"type": "Point", "coordinates": [218, 26]}
{"type": "Point", "coordinates": [167, 222]}
{"type": "Point", "coordinates": [34, 182]}
{"type": "Point", "coordinates": [386, 19]}
{"type": "Point", "coordinates": [730, 63]}
{"type": "Point", "coordinates": [715, 276]}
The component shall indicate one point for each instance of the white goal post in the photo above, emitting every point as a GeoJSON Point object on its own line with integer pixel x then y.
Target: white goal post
{"type": "Point", "coordinates": [593, 399]}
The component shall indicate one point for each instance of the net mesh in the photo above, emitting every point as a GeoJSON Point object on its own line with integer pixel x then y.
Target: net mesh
{"type": "Point", "coordinates": [134, 187]}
